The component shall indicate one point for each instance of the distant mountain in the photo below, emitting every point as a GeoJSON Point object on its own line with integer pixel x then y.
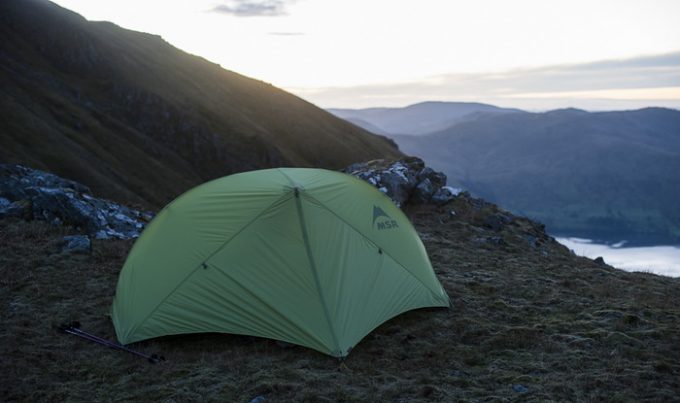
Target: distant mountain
{"type": "Point", "coordinates": [605, 175]}
{"type": "Point", "coordinates": [366, 125]}
{"type": "Point", "coordinates": [417, 119]}
{"type": "Point", "coordinates": [138, 120]}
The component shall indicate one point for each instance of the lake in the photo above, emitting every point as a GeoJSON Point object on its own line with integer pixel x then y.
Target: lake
{"type": "Point", "coordinates": [664, 260]}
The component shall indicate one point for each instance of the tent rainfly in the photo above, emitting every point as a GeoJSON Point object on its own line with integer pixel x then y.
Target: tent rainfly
{"type": "Point", "coordinates": [308, 256]}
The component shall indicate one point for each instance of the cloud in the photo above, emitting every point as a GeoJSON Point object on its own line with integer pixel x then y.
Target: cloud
{"type": "Point", "coordinates": [286, 33]}
{"type": "Point", "coordinates": [667, 60]}
{"type": "Point", "coordinates": [635, 82]}
{"type": "Point", "coordinates": [640, 72]}
{"type": "Point", "coordinates": [253, 8]}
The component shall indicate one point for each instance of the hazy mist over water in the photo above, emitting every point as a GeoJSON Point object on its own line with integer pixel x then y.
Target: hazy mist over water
{"type": "Point", "coordinates": [663, 260]}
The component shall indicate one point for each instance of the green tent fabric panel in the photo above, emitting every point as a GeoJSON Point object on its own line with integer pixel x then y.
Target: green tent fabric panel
{"type": "Point", "coordinates": [251, 287]}
{"type": "Point", "coordinates": [355, 201]}
{"type": "Point", "coordinates": [362, 285]}
{"type": "Point", "coordinates": [181, 237]}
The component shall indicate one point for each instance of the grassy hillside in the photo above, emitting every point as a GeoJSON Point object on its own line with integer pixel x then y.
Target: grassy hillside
{"type": "Point", "coordinates": [529, 322]}
{"type": "Point", "coordinates": [139, 120]}
{"type": "Point", "coordinates": [606, 175]}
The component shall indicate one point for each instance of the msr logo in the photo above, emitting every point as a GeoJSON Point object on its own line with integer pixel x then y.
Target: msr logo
{"type": "Point", "coordinates": [381, 220]}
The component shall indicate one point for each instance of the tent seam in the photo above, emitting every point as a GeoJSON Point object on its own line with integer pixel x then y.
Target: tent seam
{"type": "Point", "coordinates": [312, 264]}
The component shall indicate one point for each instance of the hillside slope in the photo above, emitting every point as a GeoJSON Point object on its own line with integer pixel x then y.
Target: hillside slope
{"type": "Point", "coordinates": [606, 175]}
{"type": "Point", "coordinates": [138, 120]}
{"type": "Point", "coordinates": [529, 321]}
{"type": "Point", "coordinates": [416, 119]}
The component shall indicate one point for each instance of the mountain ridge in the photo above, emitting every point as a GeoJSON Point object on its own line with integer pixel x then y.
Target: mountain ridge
{"type": "Point", "coordinates": [602, 175]}
{"type": "Point", "coordinates": [416, 119]}
{"type": "Point", "coordinates": [133, 117]}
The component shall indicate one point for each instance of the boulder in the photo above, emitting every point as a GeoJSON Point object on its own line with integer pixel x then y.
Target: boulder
{"type": "Point", "coordinates": [445, 194]}
{"type": "Point", "coordinates": [4, 203]}
{"type": "Point", "coordinates": [423, 192]}
{"type": "Point", "coordinates": [438, 179]}
{"type": "Point", "coordinates": [496, 222]}
{"type": "Point", "coordinates": [76, 244]}
{"type": "Point", "coordinates": [15, 179]}
{"type": "Point", "coordinates": [405, 181]}
{"type": "Point", "coordinates": [18, 209]}
{"type": "Point", "coordinates": [37, 195]}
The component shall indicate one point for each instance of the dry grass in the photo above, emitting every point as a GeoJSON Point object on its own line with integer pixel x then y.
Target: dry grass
{"type": "Point", "coordinates": [561, 326]}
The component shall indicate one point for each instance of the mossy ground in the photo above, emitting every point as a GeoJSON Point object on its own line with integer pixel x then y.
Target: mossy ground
{"type": "Point", "coordinates": [529, 322]}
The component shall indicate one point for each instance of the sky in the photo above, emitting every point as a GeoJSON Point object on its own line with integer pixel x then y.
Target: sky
{"type": "Point", "coordinates": [531, 54]}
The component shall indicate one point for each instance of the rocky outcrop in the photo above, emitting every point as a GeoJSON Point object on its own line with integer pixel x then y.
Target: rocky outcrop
{"type": "Point", "coordinates": [36, 195]}
{"type": "Point", "coordinates": [76, 244]}
{"type": "Point", "coordinates": [405, 181]}
{"type": "Point", "coordinates": [31, 194]}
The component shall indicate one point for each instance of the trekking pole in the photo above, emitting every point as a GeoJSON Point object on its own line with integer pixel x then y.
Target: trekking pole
{"type": "Point", "coordinates": [73, 328]}
{"type": "Point", "coordinates": [87, 336]}
{"type": "Point", "coordinates": [104, 341]}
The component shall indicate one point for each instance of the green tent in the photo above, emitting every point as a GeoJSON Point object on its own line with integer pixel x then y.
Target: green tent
{"type": "Point", "coordinates": [308, 256]}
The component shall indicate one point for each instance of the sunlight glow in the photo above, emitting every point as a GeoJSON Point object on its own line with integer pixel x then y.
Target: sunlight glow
{"type": "Point", "coordinates": [308, 44]}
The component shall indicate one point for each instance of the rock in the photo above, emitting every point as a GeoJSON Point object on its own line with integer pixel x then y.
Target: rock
{"type": "Point", "coordinates": [477, 204]}
{"type": "Point", "coordinates": [423, 192]}
{"type": "Point", "coordinates": [445, 194]}
{"type": "Point", "coordinates": [42, 196]}
{"type": "Point", "coordinates": [438, 179]}
{"type": "Point", "coordinates": [9, 208]}
{"type": "Point", "coordinates": [496, 222]}
{"type": "Point", "coordinates": [600, 260]}
{"type": "Point", "coordinates": [405, 181]}
{"type": "Point", "coordinates": [77, 244]}
{"type": "Point", "coordinates": [15, 179]}
{"type": "Point", "coordinates": [258, 399]}
{"type": "Point", "coordinates": [397, 180]}
{"type": "Point", "coordinates": [18, 209]}
{"type": "Point", "coordinates": [520, 388]}
{"type": "Point", "coordinates": [531, 240]}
